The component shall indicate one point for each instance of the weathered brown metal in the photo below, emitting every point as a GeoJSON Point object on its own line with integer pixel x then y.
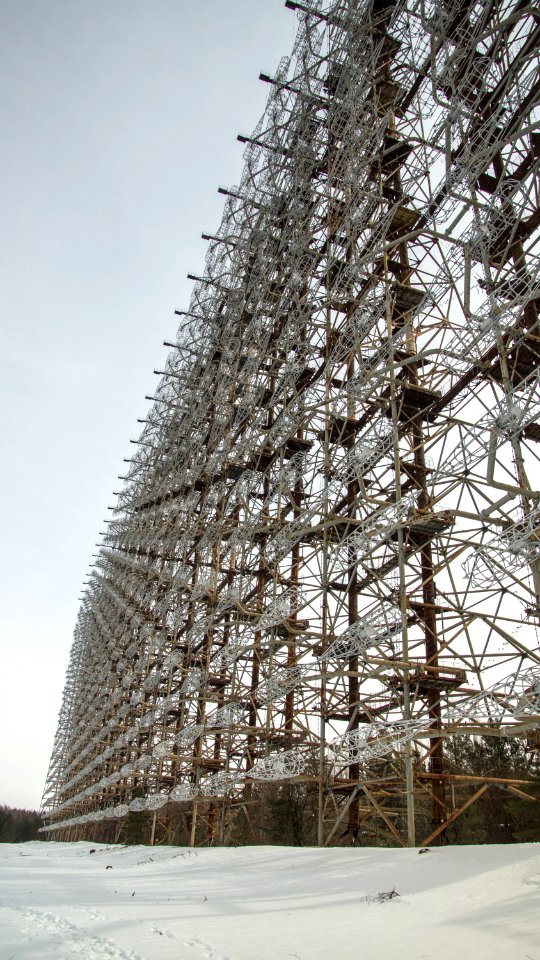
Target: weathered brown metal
{"type": "Point", "coordinates": [324, 560]}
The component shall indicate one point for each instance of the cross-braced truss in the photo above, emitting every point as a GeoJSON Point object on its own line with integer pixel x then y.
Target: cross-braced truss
{"type": "Point", "coordinates": [325, 557]}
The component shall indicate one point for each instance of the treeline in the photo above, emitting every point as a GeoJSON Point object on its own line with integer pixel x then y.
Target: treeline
{"type": "Point", "coordinates": [16, 825]}
{"type": "Point", "coordinates": [506, 811]}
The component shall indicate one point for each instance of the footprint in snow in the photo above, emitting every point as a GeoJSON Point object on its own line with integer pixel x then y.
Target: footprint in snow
{"type": "Point", "coordinates": [93, 914]}
{"type": "Point", "coordinates": [207, 951]}
{"type": "Point", "coordinates": [161, 932]}
{"type": "Point", "coordinates": [77, 939]}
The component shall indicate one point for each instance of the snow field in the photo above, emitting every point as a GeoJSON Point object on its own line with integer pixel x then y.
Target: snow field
{"type": "Point", "coordinates": [59, 901]}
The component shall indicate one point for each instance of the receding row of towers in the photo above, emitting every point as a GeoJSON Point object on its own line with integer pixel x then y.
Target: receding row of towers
{"type": "Point", "coordinates": [324, 561]}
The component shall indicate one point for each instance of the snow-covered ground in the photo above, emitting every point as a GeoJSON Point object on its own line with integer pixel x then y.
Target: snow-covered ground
{"type": "Point", "coordinates": [59, 901]}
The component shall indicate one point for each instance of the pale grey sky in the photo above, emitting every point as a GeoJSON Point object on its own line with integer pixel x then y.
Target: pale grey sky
{"type": "Point", "coordinates": [119, 121]}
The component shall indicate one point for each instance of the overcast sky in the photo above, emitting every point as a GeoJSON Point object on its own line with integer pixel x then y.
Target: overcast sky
{"type": "Point", "coordinates": [119, 121]}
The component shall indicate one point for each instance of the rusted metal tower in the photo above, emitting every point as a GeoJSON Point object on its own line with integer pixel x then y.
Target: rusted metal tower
{"type": "Point", "coordinates": [324, 560]}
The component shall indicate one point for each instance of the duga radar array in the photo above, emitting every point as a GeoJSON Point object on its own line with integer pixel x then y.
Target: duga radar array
{"type": "Point", "coordinates": [324, 560]}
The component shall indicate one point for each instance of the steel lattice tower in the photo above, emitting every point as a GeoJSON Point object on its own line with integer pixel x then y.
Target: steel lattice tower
{"type": "Point", "coordinates": [325, 560]}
